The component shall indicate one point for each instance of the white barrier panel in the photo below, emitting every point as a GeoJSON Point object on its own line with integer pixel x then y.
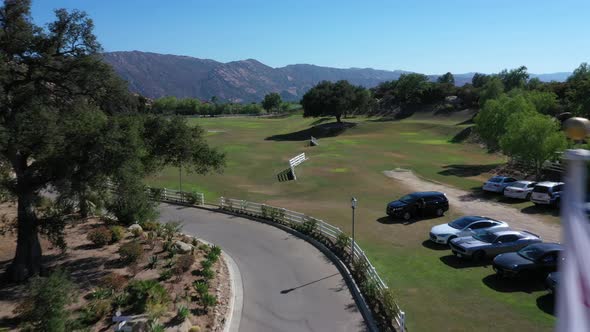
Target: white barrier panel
{"type": "Point", "coordinates": [297, 160]}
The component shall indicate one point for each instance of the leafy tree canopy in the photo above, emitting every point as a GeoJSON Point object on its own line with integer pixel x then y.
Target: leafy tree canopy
{"type": "Point", "coordinates": [334, 99]}
{"type": "Point", "coordinates": [272, 101]}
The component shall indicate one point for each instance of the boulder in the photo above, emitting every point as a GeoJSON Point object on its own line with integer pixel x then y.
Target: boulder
{"type": "Point", "coordinates": [183, 247]}
{"type": "Point", "coordinates": [134, 227]}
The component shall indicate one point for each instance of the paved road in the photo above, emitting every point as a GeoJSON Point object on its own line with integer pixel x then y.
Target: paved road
{"type": "Point", "coordinates": [289, 285]}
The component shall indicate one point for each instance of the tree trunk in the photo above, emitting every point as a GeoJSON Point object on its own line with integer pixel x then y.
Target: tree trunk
{"type": "Point", "coordinates": [338, 116]}
{"type": "Point", "coordinates": [27, 260]}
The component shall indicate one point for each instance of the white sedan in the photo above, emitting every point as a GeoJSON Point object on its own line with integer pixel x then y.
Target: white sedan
{"type": "Point", "coordinates": [464, 226]}
{"type": "Point", "coordinates": [520, 189]}
{"type": "Point", "coordinates": [497, 184]}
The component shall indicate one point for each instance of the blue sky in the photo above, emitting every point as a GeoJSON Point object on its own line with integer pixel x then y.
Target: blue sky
{"type": "Point", "coordinates": [423, 36]}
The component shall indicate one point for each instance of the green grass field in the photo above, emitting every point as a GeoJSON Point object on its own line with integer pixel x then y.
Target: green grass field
{"type": "Point", "coordinates": [437, 293]}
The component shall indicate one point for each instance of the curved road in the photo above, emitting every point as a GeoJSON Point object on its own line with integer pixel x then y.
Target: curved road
{"type": "Point", "coordinates": [288, 284]}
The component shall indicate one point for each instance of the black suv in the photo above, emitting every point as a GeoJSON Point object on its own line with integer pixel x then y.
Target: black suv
{"type": "Point", "coordinates": [419, 204]}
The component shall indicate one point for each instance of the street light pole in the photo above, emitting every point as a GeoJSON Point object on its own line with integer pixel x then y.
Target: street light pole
{"type": "Point", "coordinates": [180, 181]}
{"type": "Point", "coordinates": [353, 203]}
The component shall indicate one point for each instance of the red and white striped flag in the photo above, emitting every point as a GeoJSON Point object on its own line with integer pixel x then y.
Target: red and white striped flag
{"type": "Point", "coordinates": [573, 288]}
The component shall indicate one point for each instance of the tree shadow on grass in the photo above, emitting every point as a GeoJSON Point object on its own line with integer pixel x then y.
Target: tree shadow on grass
{"type": "Point", "coordinates": [542, 210]}
{"type": "Point", "coordinates": [506, 285]}
{"type": "Point", "coordinates": [460, 263]}
{"type": "Point", "coordinates": [320, 131]}
{"type": "Point", "coordinates": [547, 303]}
{"type": "Point", "coordinates": [466, 170]}
{"type": "Point", "coordinates": [434, 246]}
{"type": "Point", "coordinates": [462, 135]}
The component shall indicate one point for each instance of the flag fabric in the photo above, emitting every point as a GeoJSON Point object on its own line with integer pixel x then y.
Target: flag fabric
{"type": "Point", "coordinates": [573, 287]}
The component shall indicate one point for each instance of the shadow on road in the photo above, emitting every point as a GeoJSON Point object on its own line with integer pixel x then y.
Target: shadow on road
{"type": "Point", "coordinates": [286, 291]}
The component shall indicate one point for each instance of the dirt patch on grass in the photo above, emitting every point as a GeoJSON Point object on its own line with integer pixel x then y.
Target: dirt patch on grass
{"type": "Point", "coordinates": [469, 204]}
{"type": "Point", "coordinates": [87, 265]}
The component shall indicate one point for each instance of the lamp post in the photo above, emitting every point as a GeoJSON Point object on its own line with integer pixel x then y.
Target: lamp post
{"type": "Point", "coordinates": [353, 203]}
{"type": "Point", "coordinates": [180, 182]}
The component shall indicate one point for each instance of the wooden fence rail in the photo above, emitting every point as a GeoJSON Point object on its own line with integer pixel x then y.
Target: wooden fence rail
{"type": "Point", "coordinates": [298, 221]}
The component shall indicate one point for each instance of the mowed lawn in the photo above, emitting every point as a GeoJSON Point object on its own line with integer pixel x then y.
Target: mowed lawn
{"type": "Point", "coordinates": [436, 293]}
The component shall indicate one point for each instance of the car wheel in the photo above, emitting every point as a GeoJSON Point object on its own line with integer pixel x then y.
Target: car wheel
{"type": "Point", "coordinates": [479, 255]}
{"type": "Point", "coordinates": [439, 212]}
{"type": "Point", "coordinates": [407, 216]}
{"type": "Point", "coordinates": [528, 197]}
{"type": "Point", "coordinates": [450, 239]}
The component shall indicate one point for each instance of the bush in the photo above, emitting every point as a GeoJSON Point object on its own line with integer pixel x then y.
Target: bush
{"type": "Point", "coordinates": [201, 287]}
{"type": "Point", "coordinates": [195, 329]}
{"type": "Point", "coordinates": [207, 274]}
{"type": "Point", "coordinates": [213, 257]}
{"type": "Point", "coordinates": [154, 326]}
{"type": "Point", "coordinates": [152, 262]}
{"type": "Point", "coordinates": [44, 307]}
{"type": "Point", "coordinates": [150, 226]}
{"type": "Point", "coordinates": [165, 275]}
{"type": "Point", "coordinates": [117, 233]}
{"type": "Point", "coordinates": [156, 193]}
{"type": "Point", "coordinates": [96, 310]}
{"type": "Point", "coordinates": [136, 232]}
{"type": "Point", "coordinates": [206, 264]}
{"type": "Point", "coordinates": [182, 313]}
{"type": "Point", "coordinates": [216, 250]}
{"type": "Point", "coordinates": [171, 228]}
{"type": "Point", "coordinates": [146, 295]}
{"type": "Point", "coordinates": [131, 203]}
{"type": "Point", "coordinates": [208, 300]}
{"type": "Point", "coordinates": [100, 236]}
{"type": "Point", "coordinates": [193, 198]}
{"type": "Point", "coordinates": [131, 252]}
{"type": "Point", "coordinates": [114, 281]}
{"type": "Point", "coordinates": [185, 262]}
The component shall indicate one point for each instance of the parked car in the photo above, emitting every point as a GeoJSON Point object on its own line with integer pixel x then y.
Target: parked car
{"type": "Point", "coordinates": [552, 281]}
{"type": "Point", "coordinates": [535, 259]}
{"type": "Point", "coordinates": [464, 226]}
{"type": "Point", "coordinates": [418, 204]}
{"type": "Point", "coordinates": [491, 243]}
{"type": "Point", "coordinates": [547, 193]}
{"type": "Point", "coordinates": [497, 184]}
{"type": "Point", "coordinates": [520, 189]}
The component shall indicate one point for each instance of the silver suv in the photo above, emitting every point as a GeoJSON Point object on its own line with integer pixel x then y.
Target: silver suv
{"type": "Point", "coordinates": [547, 193]}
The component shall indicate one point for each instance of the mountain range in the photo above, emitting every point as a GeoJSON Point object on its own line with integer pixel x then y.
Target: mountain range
{"type": "Point", "coordinates": [156, 75]}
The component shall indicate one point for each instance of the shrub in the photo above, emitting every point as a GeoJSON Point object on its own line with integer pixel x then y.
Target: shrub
{"type": "Point", "coordinates": [154, 326]}
{"type": "Point", "coordinates": [212, 257]}
{"type": "Point", "coordinates": [120, 299]}
{"type": "Point", "coordinates": [100, 236]}
{"type": "Point", "coordinates": [195, 329]}
{"type": "Point", "coordinates": [117, 233]}
{"type": "Point", "coordinates": [130, 203]}
{"type": "Point", "coordinates": [182, 313]}
{"type": "Point", "coordinates": [165, 275]}
{"type": "Point", "coordinates": [131, 252]}
{"type": "Point", "coordinates": [96, 310]}
{"type": "Point", "coordinates": [194, 242]}
{"type": "Point", "coordinates": [208, 300]}
{"type": "Point", "coordinates": [147, 294]}
{"type": "Point", "coordinates": [207, 274]}
{"type": "Point", "coordinates": [152, 262]}
{"type": "Point", "coordinates": [216, 250]}
{"type": "Point", "coordinates": [201, 287]}
{"type": "Point", "coordinates": [171, 228]}
{"type": "Point", "coordinates": [136, 232]}
{"type": "Point", "coordinates": [150, 226]}
{"type": "Point", "coordinates": [44, 307]}
{"type": "Point", "coordinates": [205, 248]}
{"type": "Point", "coordinates": [156, 193]}
{"type": "Point", "coordinates": [185, 262]}
{"type": "Point", "coordinates": [206, 264]}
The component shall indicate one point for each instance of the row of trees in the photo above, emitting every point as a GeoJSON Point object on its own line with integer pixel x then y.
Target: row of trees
{"type": "Point", "coordinates": [192, 106]}
{"type": "Point", "coordinates": [68, 122]}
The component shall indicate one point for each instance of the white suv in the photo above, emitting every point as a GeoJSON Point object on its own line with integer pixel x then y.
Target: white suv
{"type": "Point", "coordinates": [547, 193]}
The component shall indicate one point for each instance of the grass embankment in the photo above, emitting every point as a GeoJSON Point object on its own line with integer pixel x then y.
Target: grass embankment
{"type": "Point", "coordinates": [436, 293]}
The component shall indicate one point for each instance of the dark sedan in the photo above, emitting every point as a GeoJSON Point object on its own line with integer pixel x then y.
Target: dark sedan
{"type": "Point", "coordinates": [535, 259]}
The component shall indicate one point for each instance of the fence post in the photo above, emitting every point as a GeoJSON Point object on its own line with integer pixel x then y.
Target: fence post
{"type": "Point", "coordinates": [402, 316]}
{"type": "Point", "coordinates": [165, 195]}
{"type": "Point", "coordinates": [221, 202]}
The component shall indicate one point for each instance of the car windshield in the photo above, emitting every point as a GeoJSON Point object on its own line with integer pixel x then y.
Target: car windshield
{"type": "Point", "coordinates": [532, 252]}
{"type": "Point", "coordinates": [520, 185]}
{"type": "Point", "coordinates": [485, 237]}
{"type": "Point", "coordinates": [408, 199]}
{"type": "Point", "coordinates": [463, 222]}
{"type": "Point", "coordinates": [495, 180]}
{"type": "Point", "coordinates": [541, 189]}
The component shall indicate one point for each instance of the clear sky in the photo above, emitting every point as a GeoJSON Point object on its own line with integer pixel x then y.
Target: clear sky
{"type": "Point", "coordinates": [418, 35]}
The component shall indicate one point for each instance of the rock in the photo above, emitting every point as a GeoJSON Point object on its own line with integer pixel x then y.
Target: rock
{"type": "Point", "coordinates": [183, 247]}
{"type": "Point", "coordinates": [134, 227]}
{"type": "Point", "coordinates": [183, 327]}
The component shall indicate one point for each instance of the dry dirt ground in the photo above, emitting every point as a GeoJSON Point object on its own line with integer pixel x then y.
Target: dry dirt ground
{"type": "Point", "coordinates": [88, 264]}
{"type": "Point", "coordinates": [469, 204]}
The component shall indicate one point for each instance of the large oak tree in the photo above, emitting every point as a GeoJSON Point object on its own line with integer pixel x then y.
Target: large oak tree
{"type": "Point", "coordinates": [68, 123]}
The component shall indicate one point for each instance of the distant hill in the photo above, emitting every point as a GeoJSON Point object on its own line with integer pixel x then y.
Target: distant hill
{"type": "Point", "coordinates": [156, 75]}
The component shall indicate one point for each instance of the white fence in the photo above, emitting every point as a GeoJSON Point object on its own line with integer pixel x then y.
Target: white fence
{"type": "Point", "coordinates": [297, 160]}
{"type": "Point", "coordinates": [313, 141]}
{"type": "Point", "coordinates": [170, 195]}
{"type": "Point", "coordinates": [298, 220]}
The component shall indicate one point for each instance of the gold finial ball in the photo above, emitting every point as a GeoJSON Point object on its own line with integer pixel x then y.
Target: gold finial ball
{"type": "Point", "coordinates": [577, 128]}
